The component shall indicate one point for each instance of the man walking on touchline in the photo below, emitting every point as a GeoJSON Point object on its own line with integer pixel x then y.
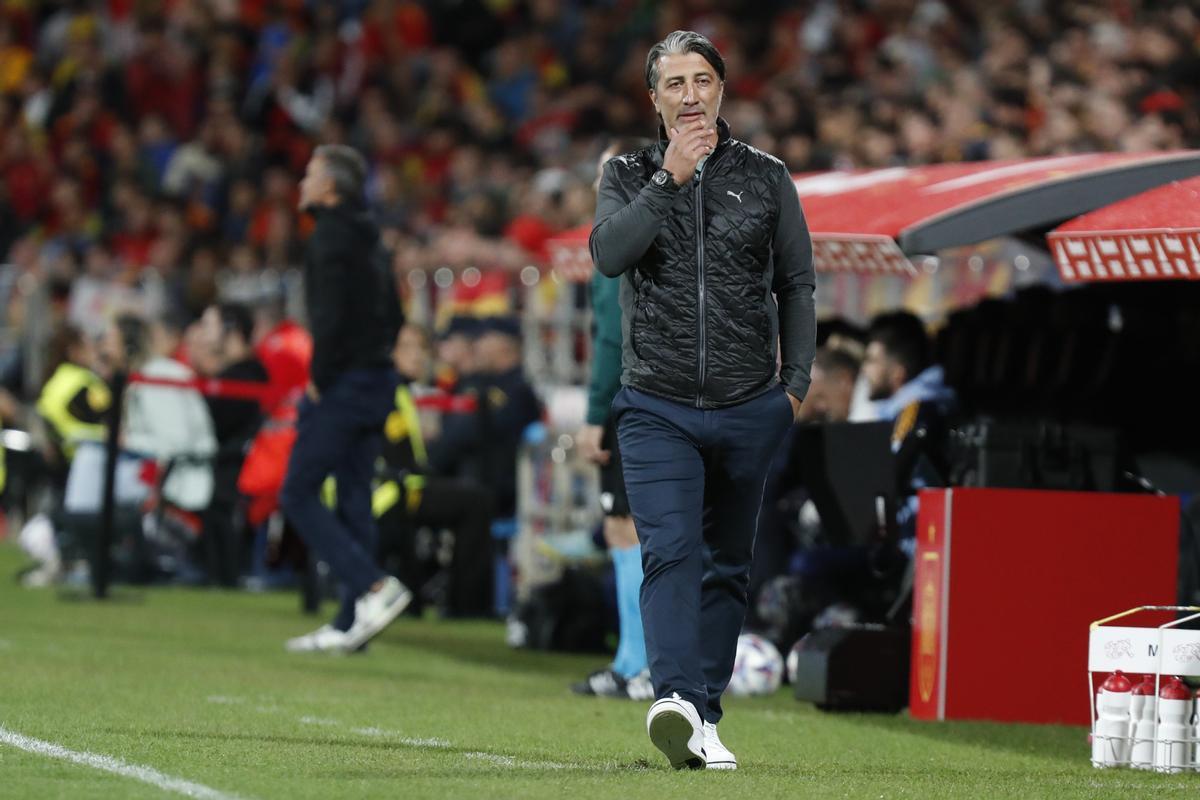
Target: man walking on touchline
{"type": "Point", "coordinates": [354, 315]}
{"type": "Point", "coordinates": [716, 265]}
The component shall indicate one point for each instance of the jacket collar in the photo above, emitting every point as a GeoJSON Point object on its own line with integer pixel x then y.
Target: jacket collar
{"type": "Point", "coordinates": [657, 152]}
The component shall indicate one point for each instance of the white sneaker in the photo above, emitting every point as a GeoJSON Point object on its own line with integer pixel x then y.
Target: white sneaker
{"type": "Point", "coordinates": [325, 639]}
{"type": "Point", "coordinates": [675, 728]}
{"type": "Point", "coordinates": [374, 611]}
{"type": "Point", "coordinates": [639, 686]}
{"type": "Point", "coordinates": [42, 575]}
{"type": "Point", "coordinates": [718, 755]}
{"type": "Point", "coordinates": [601, 683]}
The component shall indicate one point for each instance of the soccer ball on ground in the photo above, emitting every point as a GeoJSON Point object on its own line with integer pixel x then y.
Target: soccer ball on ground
{"type": "Point", "coordinates": [757, 668]}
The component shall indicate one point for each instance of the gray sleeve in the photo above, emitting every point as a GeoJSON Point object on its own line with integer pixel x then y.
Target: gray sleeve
{"type": "Point", "coordinates": [794, 284]}
{"type": "Point", "coordinates": [625, 230]}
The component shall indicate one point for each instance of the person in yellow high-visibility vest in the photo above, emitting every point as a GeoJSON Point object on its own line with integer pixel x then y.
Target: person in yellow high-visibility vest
{"type": "Point", "coordinates": [409, 498]}
{"type": "Point", "coordinates": [74, 401]}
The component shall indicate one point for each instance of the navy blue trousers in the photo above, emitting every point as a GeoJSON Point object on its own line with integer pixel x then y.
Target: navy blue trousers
{"type": "Point", "coordinates": [341, 435]}
{"type": "Point", "coordinates": [695, 482]}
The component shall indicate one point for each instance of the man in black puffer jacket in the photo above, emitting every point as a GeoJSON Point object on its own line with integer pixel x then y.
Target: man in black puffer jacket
{"type": "Point", "coordinates": [354, 314]}
{"type": "Point", "coordinates": [708, 235]}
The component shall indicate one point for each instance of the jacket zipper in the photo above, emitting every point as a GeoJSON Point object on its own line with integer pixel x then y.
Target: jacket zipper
{"type": "Point", "coordinates": [700, 290]}
{"type": "Point", "coordinates": [701, 310]}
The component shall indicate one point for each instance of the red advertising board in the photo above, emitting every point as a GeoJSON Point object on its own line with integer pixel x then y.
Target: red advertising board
{"type": "Point", "coordinates": [1006, 584]}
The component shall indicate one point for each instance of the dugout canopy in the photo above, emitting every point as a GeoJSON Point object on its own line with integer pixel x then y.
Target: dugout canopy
{"type": "Point", "coordinates": [1154, 235]}
{"type": "Point", "coordinates": [875, 221]}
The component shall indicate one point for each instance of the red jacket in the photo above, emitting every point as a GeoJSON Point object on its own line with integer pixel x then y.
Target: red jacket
{"type": "Point", "coordinates": [285, 353]}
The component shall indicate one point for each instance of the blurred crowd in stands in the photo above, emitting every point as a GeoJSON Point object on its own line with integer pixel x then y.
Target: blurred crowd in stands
{"type": "Point", "coordinates": [170, 136]}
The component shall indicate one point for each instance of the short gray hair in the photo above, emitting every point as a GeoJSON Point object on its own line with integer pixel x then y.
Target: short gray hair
{"type": "Point", "coordinates": [348, 169]}
{"type": "Point", "coordinates": [679, 43]}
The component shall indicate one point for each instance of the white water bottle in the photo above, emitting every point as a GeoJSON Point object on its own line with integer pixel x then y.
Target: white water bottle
{"type": "Point", "coordinates": [1110, 734]}
{"type": "Point", "coordinates": [1141, 711]}
{"type": "Point", "coordinates": [1173, 742]}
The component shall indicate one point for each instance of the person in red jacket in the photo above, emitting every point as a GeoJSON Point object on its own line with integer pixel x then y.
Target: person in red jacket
{"type": "Point", "coordinates": [285, 350]}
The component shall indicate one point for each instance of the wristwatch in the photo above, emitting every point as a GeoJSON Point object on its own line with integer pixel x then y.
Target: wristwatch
{"type": "Point", "coordinates": [663, 179]}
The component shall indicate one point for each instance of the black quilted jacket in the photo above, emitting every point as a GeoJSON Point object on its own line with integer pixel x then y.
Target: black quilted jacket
{"type": "Point", "coordinates": [704, 266]}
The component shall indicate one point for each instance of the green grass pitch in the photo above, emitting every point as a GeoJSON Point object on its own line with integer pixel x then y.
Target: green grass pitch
{"type": "Point", "coordinates": [195, 685]}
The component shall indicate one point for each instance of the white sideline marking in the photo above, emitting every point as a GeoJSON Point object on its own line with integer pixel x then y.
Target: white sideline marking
{"type": "Point", "coordinates": [318, 721]}
{"type": "Point", "coordinates": [234, 700]}
{"type": "Point", "coordinates": [492, 758]}
{"type": "Point", "coordinates": [442, 744]}
{"type": "Point", "coordinates": [114, 765]}
{"type": "Point", "coordinates": [407, 741]}
{"type": "Point", "coordinates": [434, 743]}
{"type": "Point", "coordinates": [515, 763]}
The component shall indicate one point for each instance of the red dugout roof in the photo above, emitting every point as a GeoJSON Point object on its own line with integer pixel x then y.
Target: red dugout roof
{"type": "Point", "coordinates": [872, 220]}
{"type": "Point", "coordinates": [1151, 236]}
